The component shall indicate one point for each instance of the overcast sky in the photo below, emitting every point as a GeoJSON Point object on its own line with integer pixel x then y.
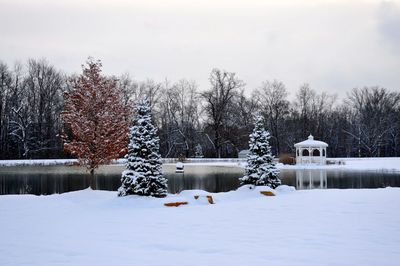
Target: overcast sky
{"type": "Point", "coordinates": [333, 45]}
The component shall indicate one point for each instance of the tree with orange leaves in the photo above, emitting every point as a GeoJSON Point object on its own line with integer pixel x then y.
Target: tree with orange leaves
{"type": "Point", "coordinates": [96, 124]}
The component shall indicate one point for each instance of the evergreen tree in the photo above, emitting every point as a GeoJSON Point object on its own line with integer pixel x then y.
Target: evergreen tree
{"type": "Point", "coordinates": [261, 169]}
{"type": "Point", "coordinates": [198, 151]}
{"type": "Point", "coordinates": [143, 175]}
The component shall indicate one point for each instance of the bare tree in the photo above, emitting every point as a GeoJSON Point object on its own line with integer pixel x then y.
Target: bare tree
{"type": "Point", "coordinates": [43, 88]}
{"type": "Point", "coordinates": [180, 118]}
{"type": "Point", "coordinates": [373, 119]}
{"type": "Point", "coordinates": [10, 99]}
{"type": "Point", "coordinates": [128, 88]}
{"type": "Point", "coordinates": [20, 129]}
{"type": "Point", "coordinates": [133, 90]}
{"type": "Point", "coordinates": [272, 99]}
{"type": "Point", "coordinates": [303, 104]}
{"type": "Point", "coordinates": [239, 123]}
{"type": "Point", "coordinates": [5, 88]}
{"type": "Point", "coordinates": [224, 86]}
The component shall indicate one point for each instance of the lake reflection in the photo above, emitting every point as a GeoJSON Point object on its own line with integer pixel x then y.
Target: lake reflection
{"type": "Point", "coordinates": [309, 179]}
{"type": "Point", "coordinates": [45, 180]}
{"type": "Point", "coordinates": [335, 178]}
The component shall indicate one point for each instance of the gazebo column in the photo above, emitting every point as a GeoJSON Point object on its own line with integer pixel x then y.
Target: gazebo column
{"type": "Point", "coordinates": [320, 155]}
{"type": "Point", "coordinates": [301, 156]}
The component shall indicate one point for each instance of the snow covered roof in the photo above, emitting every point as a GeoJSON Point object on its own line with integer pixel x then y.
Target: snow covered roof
{"type": "Point", "coordinates": [310, 142]}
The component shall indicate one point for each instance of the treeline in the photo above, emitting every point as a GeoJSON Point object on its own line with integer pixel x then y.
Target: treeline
{"type": "Point", "coordinates": [209, 122]}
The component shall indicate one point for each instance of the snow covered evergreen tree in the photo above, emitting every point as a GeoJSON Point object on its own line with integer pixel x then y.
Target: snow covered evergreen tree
{"type": "Point", "coordinates": [198, 151]}
{"type": "Point", "coordinates": [143, 175]}
{"type": "Point", "coordinates": [261, 169]}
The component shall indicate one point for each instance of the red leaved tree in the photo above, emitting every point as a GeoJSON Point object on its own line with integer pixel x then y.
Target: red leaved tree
{"type": "Point", "coordinates": [96, 127]}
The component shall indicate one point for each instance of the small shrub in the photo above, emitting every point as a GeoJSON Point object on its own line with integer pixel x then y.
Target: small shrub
{"type": "Point", "coordinates": [287, 158]}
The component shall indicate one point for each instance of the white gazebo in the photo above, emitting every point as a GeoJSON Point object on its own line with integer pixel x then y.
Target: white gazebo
{"type": "Point", "coordinates": [311, 151]}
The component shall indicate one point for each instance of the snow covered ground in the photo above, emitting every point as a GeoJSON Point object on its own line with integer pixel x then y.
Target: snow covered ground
{"type": "Point", "coordinates": [48, 162]}
{"type": "Point", "coordinates": [316, 227]}
{"type": "Point", "coordinates": [387, 164]}
{"type": "Point", "coordinates": [391, 163]}
{"type": "Point", "coordinates": [38, 162]}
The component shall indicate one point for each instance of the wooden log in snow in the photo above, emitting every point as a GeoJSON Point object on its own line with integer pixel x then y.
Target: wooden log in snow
{"type": "Point", "coordinates": [175, 204]}
{"type": "Point", "coordinates": [267, 193]}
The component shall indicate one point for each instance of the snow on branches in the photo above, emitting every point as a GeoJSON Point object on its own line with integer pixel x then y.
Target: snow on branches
{"type": "Point", "coordinates": [96, 125]}
{"type": "Point", "coordinates": [143, 175]}
{"type": "Point", "coordinates": [261, 169]}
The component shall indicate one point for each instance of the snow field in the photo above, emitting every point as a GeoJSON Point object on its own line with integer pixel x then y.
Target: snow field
{"type": "Point", "coordinates": [317, 227]}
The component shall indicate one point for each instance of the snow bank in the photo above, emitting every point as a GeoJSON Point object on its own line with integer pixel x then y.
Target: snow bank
{"type": "Point", "coordinates": [197, 161]}
{"type": "Point", "coordinates": [310, 227]}
{"type": "Point", "coordinates": [48, 162]}
{"type": "Point", "coordinates": [387, 164]}
{"type": "Point", "coordinates": [391, 163]}
{"type": "Point", "coordinates": [44, 162]}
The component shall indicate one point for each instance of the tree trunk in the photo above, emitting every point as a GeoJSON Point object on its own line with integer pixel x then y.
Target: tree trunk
{"type": "Point", "coordinates": [92, 180]}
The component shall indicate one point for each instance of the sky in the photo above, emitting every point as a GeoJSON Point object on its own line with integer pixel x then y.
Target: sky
{"type": "Point", "coordinates": [332, 45]}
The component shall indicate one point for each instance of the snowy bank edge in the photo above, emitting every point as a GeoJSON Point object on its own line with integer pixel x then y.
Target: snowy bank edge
{"type": "Point", "coordinates": [367, 164]}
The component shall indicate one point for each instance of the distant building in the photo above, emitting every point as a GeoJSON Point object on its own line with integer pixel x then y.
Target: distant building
{"type": "Point", "coordinates": [311, 151]}
{"type": "Point", "coordinates": [243, 154]}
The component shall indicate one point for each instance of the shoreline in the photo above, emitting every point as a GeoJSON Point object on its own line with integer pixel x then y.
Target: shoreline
{"type": "Point", "coordinates": [366, 163]}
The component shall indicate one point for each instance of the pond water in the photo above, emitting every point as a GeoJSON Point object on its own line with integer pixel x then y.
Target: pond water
{"type": "Point", "coordinates": [45, 180]}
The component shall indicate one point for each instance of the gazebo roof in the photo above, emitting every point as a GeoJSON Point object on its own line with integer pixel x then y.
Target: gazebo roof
{"type": "Point", "coordinates": [310, 142]}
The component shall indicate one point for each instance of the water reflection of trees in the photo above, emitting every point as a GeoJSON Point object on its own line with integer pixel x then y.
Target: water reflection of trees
{"type": "Point", "coordinates": [49, 180]}
{"type": "Point", "coordinates": [208, 181]}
